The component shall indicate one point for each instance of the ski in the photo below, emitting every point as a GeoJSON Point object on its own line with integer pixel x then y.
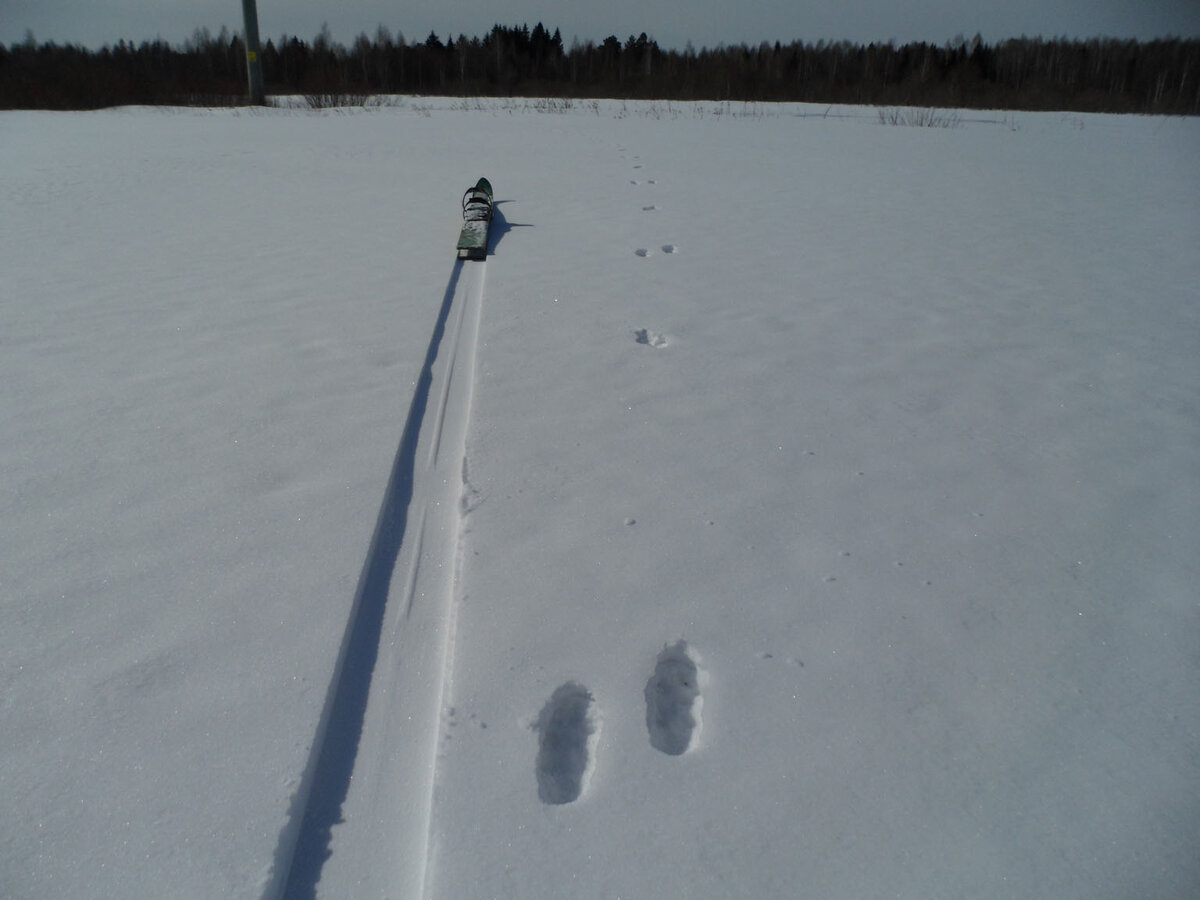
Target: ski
{"type": "Point", "coordinates": [477, 216]}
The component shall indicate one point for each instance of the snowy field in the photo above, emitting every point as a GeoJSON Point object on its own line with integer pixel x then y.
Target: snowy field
{"type": "Point", "coordinates": [792, 505]}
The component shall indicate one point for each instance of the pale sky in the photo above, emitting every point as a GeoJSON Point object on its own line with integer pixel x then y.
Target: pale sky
{"type": "Point", "coordinates": [705, 23]}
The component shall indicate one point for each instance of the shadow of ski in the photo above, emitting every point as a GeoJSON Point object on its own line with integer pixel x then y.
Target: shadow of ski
{"type": "Point", "coordinates": [501, 226]}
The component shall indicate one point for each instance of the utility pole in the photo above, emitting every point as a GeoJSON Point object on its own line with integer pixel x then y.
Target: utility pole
{"type": "Point", "coordinates": [253, 52]}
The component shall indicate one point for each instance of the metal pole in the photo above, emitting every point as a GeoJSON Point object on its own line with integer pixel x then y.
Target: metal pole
{"type": "Point", "coordinates": [253, 53]}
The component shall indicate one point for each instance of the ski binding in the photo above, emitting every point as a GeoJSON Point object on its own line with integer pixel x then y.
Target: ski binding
{"type": "Point", "coordinates": [477, 217]}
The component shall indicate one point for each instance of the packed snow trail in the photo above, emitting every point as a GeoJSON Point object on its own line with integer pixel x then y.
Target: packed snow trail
{"type": "Point", "coordinates": [360, 820]}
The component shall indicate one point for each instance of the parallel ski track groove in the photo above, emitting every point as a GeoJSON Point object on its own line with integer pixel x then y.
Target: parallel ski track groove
{"type": "Point", "coordinates": [414, 565]}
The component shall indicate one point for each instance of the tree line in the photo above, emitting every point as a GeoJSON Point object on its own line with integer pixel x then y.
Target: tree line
{"type": "Point", "coordinates": [1098, 75]}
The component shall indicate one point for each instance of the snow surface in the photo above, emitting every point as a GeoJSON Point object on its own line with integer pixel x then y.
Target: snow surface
{"type": "Point", "coordinates": [791, 505]}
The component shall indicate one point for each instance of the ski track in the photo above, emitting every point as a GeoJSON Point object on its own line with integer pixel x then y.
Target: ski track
{"type": "Point", "coordinates": [359, 824]}
{"type": "Point", "coordinates": [414, 567]}
{"type": "Point", "coordinates": [435, 444]}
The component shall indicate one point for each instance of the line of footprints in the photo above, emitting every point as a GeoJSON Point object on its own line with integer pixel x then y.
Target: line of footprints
{"type": "Point", "coordinates": [652, 207]}
{"type": "Point", "coordinates": [643, 335]}
{"type": "Point", "coordinates": [568, 725]}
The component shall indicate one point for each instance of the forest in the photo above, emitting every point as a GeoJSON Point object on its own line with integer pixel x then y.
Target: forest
{"type": "Point", "coordinates": [1097, 75]}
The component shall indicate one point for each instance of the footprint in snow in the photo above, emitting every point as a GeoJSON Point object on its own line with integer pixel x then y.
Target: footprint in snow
{"type": "Point", "coordinates": [673, 700]}
{"type": "Point", "coordinates": [670, 248]}
{"type": "Point", "coordinates": [650, 208]}
{"type": "Point", "coordinates": [643, 252]}
{"type": "Point", "coordinates": [566, 737]}
{"type": "Point", "coordinates": [650, 338]}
